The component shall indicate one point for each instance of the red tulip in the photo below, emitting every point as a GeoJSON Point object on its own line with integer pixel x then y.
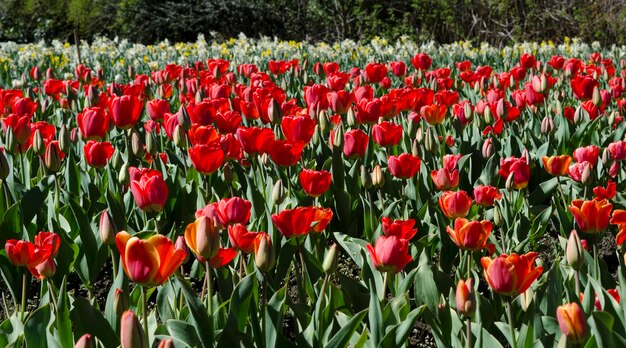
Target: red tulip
{"type": "Point", "coordinates": [26, 254]}
{"type": "Point", "coordinates": [340, 101]}
{"type": "Point", "coordinates": [21, 127]}
{"type": "Point", "coordinates": [148, 188]}
{"type": "Point", "coordinates": [445, 180]}
{"type": "Point", "coordinates": [315, 97]}
{"type": "Point", "coordinates": [576, 171]}
{"type": "Point", "coordinates": [24, 106]}
{"type": "Point", "coordinates": [223, 257]}
{"type": "Point", "coordinates": [298, 128]}
{"type": "Point", "coordinates": [421, 61]}
{"type": "Point", "coordinates": [48, 240]}
{"type": "Point", "coordinates": [315, 183]}
{"type": "Point", "coordinates": [97, 154]}
{"type": "Point", "coordinates": [157, 108]}
{"type": "Point", "coordinates": [125, 110]}
{"type": "Point", "coordinates": [255, 140]}
{"type": "Point", "coordinates": [591, 216]}
{"type": "Point", "coordinates": [233, 210]}
{"type": "Point", "coordinates": [206, 158]}
{"type": "Point", "coordinates": [519, 168]}
{"type": "Point", "coordinates": [355, 143]}
{"type": "Point", "coordinates": [404, 166]}
{"type": "Point", "coordinates": [465, 297]}
{"type": "Point", "coordinates": [527, 61]}
{"type": "Point", "coordinates": [93, 123]}
{"type": "Point", "coordinates": [486, 195]}
{"type": "Point", "coordinates": [583, 87]}
{"type": "Point", "coordinates": [398, 68]}
{"type": "Point", "coordinates": [387, 133]}
{"type": "Point", "coordinates": [228, 122]}
{"type": "Point", "coordinates": [402, 229]}
{"type": "Point", "coordinates": [375, 72]}
{"type": "Point", "coordinates": [286, 153]}
{"type": "Point", "coordinates": [241, 239]}
{"type": "Point", "coordinates": [455, 204]}
{"type": "Point", "coordinates": [46, 269]}
{"type": "Point", "coordinates": [294, 222]}
{"type": "Point", "coordinates": [587, 153]}
{"type": "Point", "coordinates": [321, 218]}
{"type": "Point", "coordinates": [471, 235]}
{"type": "Point", "coordinates": [511, 275]}
{"type": "Point", "coordinates": [148, 262]}
{"type": "Point", "coordinates": [605, 193]}
{"type": "Point", "coordinates": [572, 322]}
{"type": "Point", "coordinates": [390, 254]}
{"type": "Point", "coordinates": [618, 150]}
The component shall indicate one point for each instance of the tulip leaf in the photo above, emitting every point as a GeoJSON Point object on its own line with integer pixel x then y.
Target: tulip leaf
{"type": "Point", "coordinates": [375, 315]}
{"type": "Point", "coordinates": [32, 201]}
{"type": "Point", "coordinates": [11, 225]}
{"type": "Point", "coordinates": [64, 324]}
{"type": "Point", "coordinates": [198, 315]}
{"type": "Point", "coordinates": [398, 334]}
{"type": "Point", "coordinates": [87, 319]}
{"type": "Point", "coordinates": [601, 324]}
{"type": "Point", "coordinates": [343, 336]}
{"type": "Point", "coordinates": [184, 332]}
{"type": "Point", "coordinates": [36, 328]}
{"type": "Point", "coordinates": [273, 319]}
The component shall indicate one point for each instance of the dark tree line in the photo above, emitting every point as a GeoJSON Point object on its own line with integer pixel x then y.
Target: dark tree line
{"type": "Point", "coordinates": [147, 21]}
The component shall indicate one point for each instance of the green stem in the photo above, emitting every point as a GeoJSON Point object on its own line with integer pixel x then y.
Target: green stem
{"type": "Point", "coordinates": [144, 310]}
{"type": "Point", "coordinates": [52, 293]}
{"type": "Point", "coordinates": [596, 265]}
{"type": "Point", "coordinates": [469, 264]}
{"type": "Point", "coordinates": [558, 180]}
{"type": "Point", "coordinates": [24, 284]}
{"type": "Point", "coordinates": [511, 324]}
{"type": "Point", "coordinates": [114, 262]}
{"type": "Point", "coordinates": [577, 281]}
{"type": "Point", "coordinates": [302, 271]}
{"type": "Point", "coordinates": [468, 333]}
{"type": "Point", "coordinates": [209, 287]}
{"type": "Point", "coordinates": [384, 286]}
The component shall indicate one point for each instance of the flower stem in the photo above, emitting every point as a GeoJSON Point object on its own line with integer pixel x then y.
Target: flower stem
{"type": "Point", "coordinates": [468, 333]}
{"type": "Point", "coordinates": [511, 324]}
{"type": "Point", "coordinates": [385, 286]}
{"type": "Point", "coordinates": [144, 310]}
{"type": "Point", "coordinates": [209, 287]}
{"type": "Point", "coordinates": [24, 284]}
{"type": "Point", "coordinates": [469, 264]}
{"type": "Point", "coordinates": [577, 281]}
{"type": "Point", "coordinates": [596, 265]}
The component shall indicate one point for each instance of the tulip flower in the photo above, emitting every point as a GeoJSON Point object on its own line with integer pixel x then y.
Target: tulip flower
{"type": "Point", "coordinates": [520, 169]}
{"type": "Point", "coordinates": [587, 153]}
{"type": "Point", "coordinates": [421, 61]}
{"type": "Point", "coordinates": [387, 133]}
{"type": "Point", "coordinates": [157, 108]}
{"type": "Point", "coordinates": [390, 254]}
{"type": "Point", "coordinates": [465, 297]}
{"type": "Point", "coordinates": [605, 193]}
{"type": "Point", "coordinates": [206, 159]}
{"type": "Point", "coordinates": [49, 240]}
{"type": "Point", "coordinates": [591, 216]}
{"type": "Point", "coordinates": [203, 238]}
{"type": "Point", "coordinates": [86, 341]}
{"type": "Point", "coordinates": [46, 269]}
{"type": "Point", "coordinates": [241, 239]}
{"type": "Point", "coordinates": [255, 140]}
{"type": "Point", "coordinates": [402, 229]}
{"type": "Point", "coordinates": [132, 335]}
{"type": "Point", "coordinates": [434, 114]}
{"type": "Point", "coordinates": [125, 110]}
{"type": "Point", "coordinates": [510, 275]}
{"type": "Point", "coordinates": [455, 204]}
{"type": "Point", "coordinates": [148, 262]}
{"type": "Point", "coordinates": [315, 183]}
{"type": "Point", "coordinates": [53, 157]}
{"type": "Point", "coordinates": [285, 153]}
{"type": "Point", "coordinates": [294, 222]}
{"type": "Point", "coordinates": [471, 235]}
{"type": "Point", "coordinates": [445, 180]}
{"type": "Point", "coordinates": [404, 166]}
{"type": "Point", "coordinates": [355, 143]}
{"type": "Point", "coordinates": [618, 150]}
{"type": "Point", "coordinates": [298, 128]}
{"type": "Point", "coordinates": [556, 165]}
{"type": "Point", "coordinates": [264, 253]}
{"type": "Point", "coordinates": [97, 154]}
{"type": "Point", "coordinates": [340, 101]}
{"type": "Point", "coordinates": [233, 210]}
{"type": "Point", "coordinates": [148, 188]}
{"type": "Point", "coordinates": [619, 219]}
{"type": "Point", "coordinates": [93, 123]}
{"type": "Point", "coordinates": [572, 322]}
{"type": "Point", "coordinates": [26, 254]}
{"type": "Point", "coordinates": [486, 195]}
{"type": "Point", "coordinates": [321, 218]}
{"type": "Point", "coordinates": [20, 124]}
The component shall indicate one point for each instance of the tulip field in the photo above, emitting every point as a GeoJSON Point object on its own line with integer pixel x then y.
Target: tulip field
{"type": "Point", "coordinates": [265, 193]}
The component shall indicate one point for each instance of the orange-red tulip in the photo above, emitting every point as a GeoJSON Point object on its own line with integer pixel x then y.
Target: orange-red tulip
{"type": "Point", "coordinates": [321, 218]}
{"type": "Point", "coordinates": [404, 166]}
{"type": "Point", "coordinates": [465, 297]}
{"type": "Point", "coordinates": [511, 275]}
{"type": "Point", "coordinates": [402, 229]}
{"type": "Point", "coordinates": [572, 322]}
{"type": "Point", "coordinates": [486, 195]}
{"type": "Point", "coordinates": [241, 239]}
{"type": "Point", "coordinates": [148, 262]}
{"type": "Point", "coordinates": [455, 204]}
{"type": "Point", "coordinates": [434, 114]}
{"type": "Point", "coordinates": [519, 168]}
{"type": "Point", "coordinates": [556, 165]}
{"type": "Point", "coordinates": [294, 222]}
{"type": "Point", "coordinates": [591, 216]}
{"type": "Point", "coordinates": [203, 237]}
{"type": "Point", "coordinates": [471, 235]}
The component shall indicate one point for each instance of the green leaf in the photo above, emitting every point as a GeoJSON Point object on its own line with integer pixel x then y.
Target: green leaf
{"type": "Point", "coordinates": [64, 324]}
{"type": "Point", "coordinates": [398, 334]}
{"type": "Point", "coordinates": [183, 331]}
{"type": "Point", "coordinates": [199, 317]}
{"type": "Point", "coordinates": [36, 328]}
{"type": "Point", "coordinates": [342, 337]}
{"type": "Point", "coordinates": [87, 319]}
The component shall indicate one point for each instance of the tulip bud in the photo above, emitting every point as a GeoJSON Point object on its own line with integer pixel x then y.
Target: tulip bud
{"type": "Point", "coordinates": [120, 302]}
{"type": "Point", "coordinates": [510, 182]}
{"type": "Point", "coordinates": [547, 125]}
{"type": "Point", "coordinates": [612, 116]}
{"type": "Point", "coordinates": [123, 176]}
{"type": "Point", "coordinates": [228, 172]}
{"type": "Point", "coordinates": [166, 343]}
{"type": "Point", "coordinates": [179, 137]}
{"type": "Point", "coordinates": [151, 143]}
{"type": "Point", "coordinates": [467, 111]}
{"type": "Point", "coordinates": [278, 192]}
{"type": "Point", "coordinates": [137, 145]}
{"type": "Point", "coordinates": [316, 135]}
{"type": "Point", "coordinates": [47, 268]}
{"type": "Point", "coordinates": [265, 160]}
{"type": "Point", "coordinates": [595, 97]}
{"type": "Point", "coordinates": [264, 257]}
{"type": "Point", "coordinates": [527, 298]}
{"type": "Point", "coordinates": [52, 157]}
{"type": "Point", "coordinates": [378, 178]}
{"type": "Point", "coordinates": [131, 332]}
{"type": "Point", "coordinates": [526, 155]}
{"type": "Point", "coordinates": [38, 145]}
{"type": "Point", "coordinates": [419, 135]}
{"type": "Point", "coordinates": [431, 142]}
{"type": "Point", "coordinates": [330, 261]}
{"type": "Point", "coordinates": [352, 122]}
{"type": "Point", "coordinates": [580, 114]}
{"type": "Point", "coordinates": [207, 237]}
{"type": "Point", "coordinates": [366, 179]}
{"type": "Point", "coordinates": [116, 160]}
{"type": "Point", "coordinates": [64, 139]}
{"type": "Point", "coordinates": [488, 149]}
{"type": "Point", "coordinates": [131, 72]}
{"type": "Point", "coordinates": [413, 129]}
{"type": "Point", "coordinates": [4, 166]}
{"type": "Point", "coordinates": [338, 139]}
{"type": "Point", "coordinates": [324, 122]}
{"type": "Point", "coordinates": [107, 228]}
{"type": "Point", "coordinates": [182, 245]}
{"type": "Point", "coordinates": [415, 148]}
{"type": "Point", "coordinates": [274, 112]}
{"type": "Point", "coordinates": [184, 120]}
{"type": "Point", "coordinates": [10, 141]}
{"type": "Point", "coordinates": [587, 176]}
{"type": "Point", "coordinates": [574, 251]}
{"type": "Point", "coordinates": [466, 297]}
{"type": "Point", "coordinates": [86, 341]}
{"type": "Point", "coordinates": [572, 322]}
{"type": "Point", "coordinates": [487, 116]}
{"type": "Point", "coordinates": [501, 109]}
{"type": "Point", "coordinates": [497, 216]}
{"type": "Point", "coordinates": [606, 156]}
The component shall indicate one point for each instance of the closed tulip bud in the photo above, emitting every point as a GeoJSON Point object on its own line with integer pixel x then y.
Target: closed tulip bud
{"type": "Point", "coordinates": [131, 72]}
{"type": "Point", "coordinates": [10, 141]}
{"type": "Point", "coordinates": [323, 121]}
{"type": "Point", "coordinates": [316, 135]}
{"type": "Point", "coordinates": [123, 175]}
{"type": "Point", "coordinates": [488, 149]}
{"type": "Point", "coordinates": [526, 155]}
{"type": "Point", "coordinates": [477, 88]}
{"type": "Point", "coordinates": [596, 98]}
{"type": "Point", "coordinates": [184, 120]}
{"type": "Point", "coordinates": [116, 160]}
{"type": "Point", "coordinates": [378, 178]}
{"type": "Point", "coordinates": [330, 261]}
{"type": "Point", "coordinates": [264, 254]}
{"type": "Point", "coordinates": [574, 251]}
{"type": "Point", "coordinates": [38, 145]}
{"type": "Point", "coordinates": [419, 135]}
{"type": "Point", "coordinates": [606, 156]}
{"type": "Point", "coordinates": [415, 148]}
{"type": "Point", "coordinates": [151, 143]}
{"type": "Point", "coordinates": [466, 297]}
{"type": "Point", "coordinates": [228, 172]}
{"type": "Point", "coordinates": [487, 116]}
{"type": "Point", "coordinates": [278, 192]}
{"type": "Point", "coordinates": [131, 332]}
{"type": "Point", "coordinates": [53, 158]}
{"type": "Point", "coordinates": [86, 341]}
{"type": "Point", "coordinates": [352, 122]}
{"type": "Point", "coordinates": [366, 178]}
{"type": "Point", "coordinates": [64, 139]}
{"type": "Point", "coordinates": [510, 182]}
{"type": "Point", "coordinates": [572, 322]}
{"type": "Point", "coordinates": [166, 343]}
{"type": "Point", "coordinates": [612, 117]}
{"type": "Point", "coordinates": [265, 160]}
{"type": "Point", "coordinates": [199, 96]}
{"type": "Point", "coordinates": [527, 298]}
{"type": "Point", "coordinates": [137, 145]}
{"type": "Point", "coordinates": [182, 245]}
{"type": "Point", "coordinates": [120, 302]}
{"type": "Point", "coordinates": [501, 109]}
{"type": "Point", "coordinates": [547, 125]}
{"type": "Point", "coordinates": [179, 137]}
{"type": "Point", "coordinates": [467, 111]}
{"type": "Point", "coordinates": [274, 112]}
{"type": "Point", "coordinates": [495, 81]}
{"type": "Point", "coordinates": [431, 142]}
{"type": "Point", "coordinates": [107, 228]}
{"type": "Point", "coordinates": [580, 114]}
{"type": "Point", "coordinates": [413, 129]}
{"type": "Point", "coordinates": [587, 176]}
{"type": "Point", "coordinates": [497, 216]}
{"type": "Point", "coordinates": [338, 139]}
{"type": "Point", "coordinates": [203, 237]}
